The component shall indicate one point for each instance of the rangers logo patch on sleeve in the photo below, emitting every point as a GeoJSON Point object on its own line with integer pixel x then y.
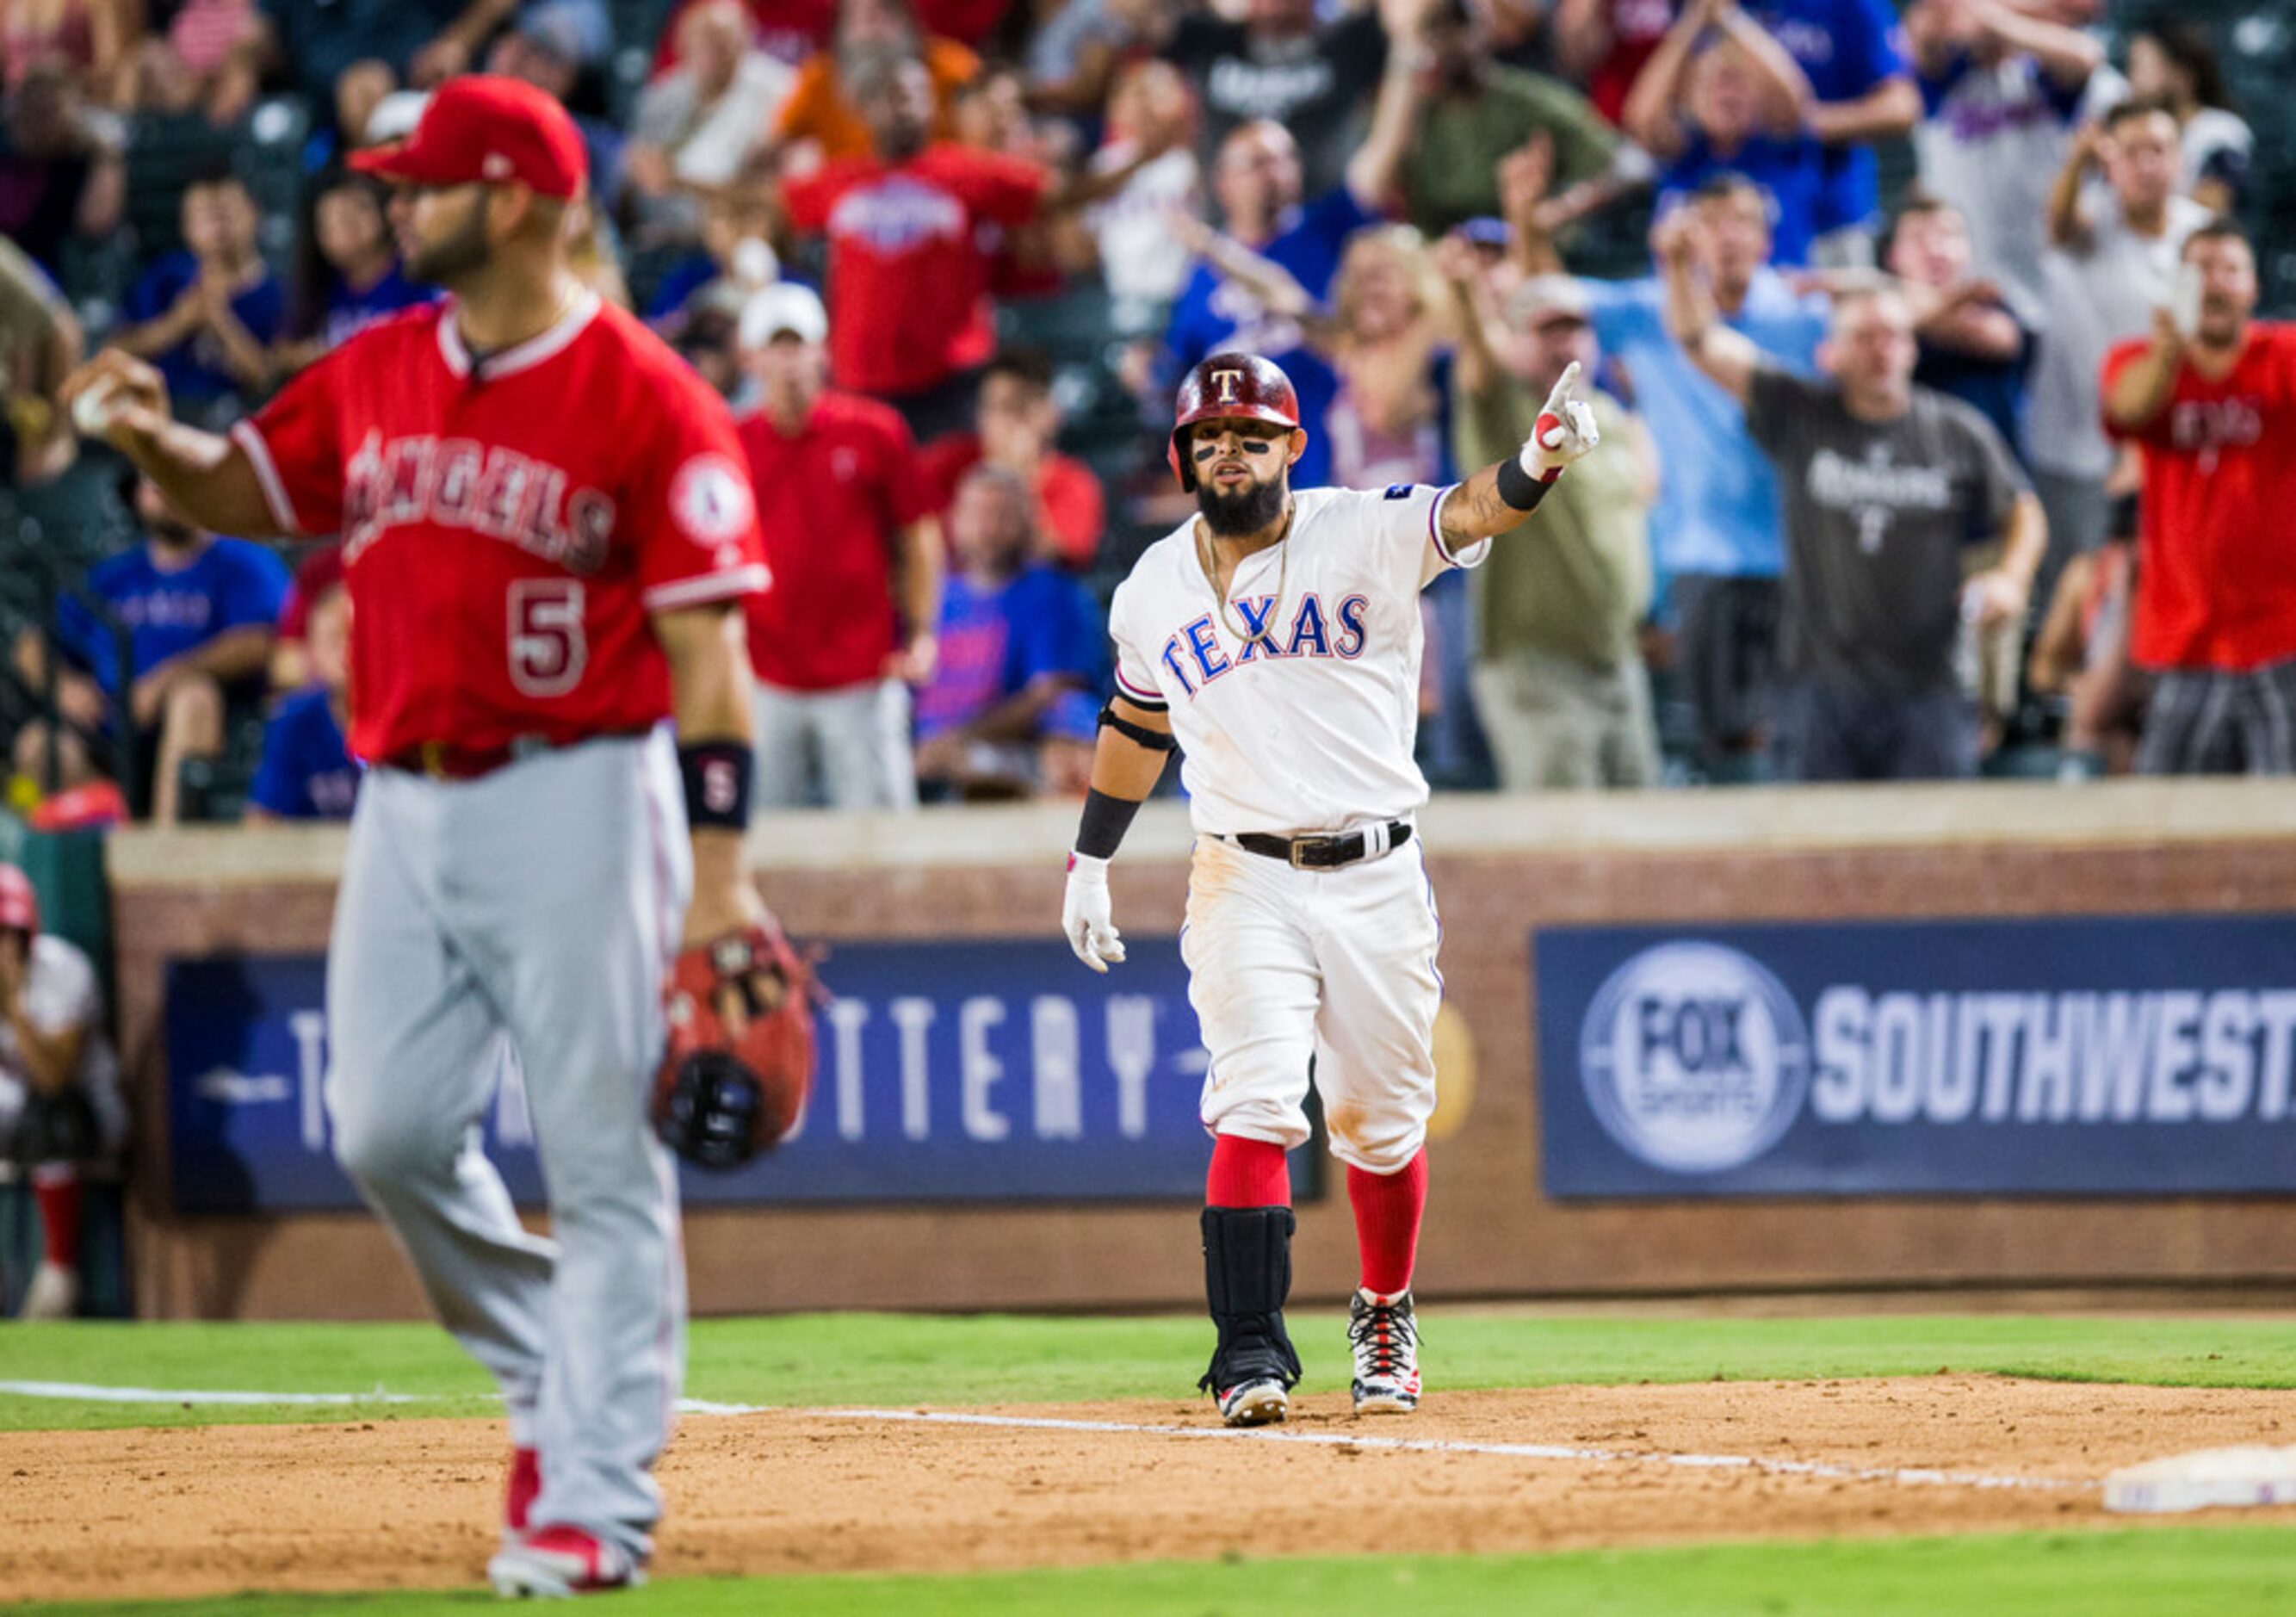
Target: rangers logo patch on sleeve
{"type": "Point", "coordinates": [1399, 491]}
{"type": "Point", "coordinates": [709, 500]}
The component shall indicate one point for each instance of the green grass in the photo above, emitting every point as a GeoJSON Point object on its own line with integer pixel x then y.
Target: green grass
{"type": "Point", "coordinates": [2223, 1572]}
{"type": "Point", "coordinates": [810, 1360]}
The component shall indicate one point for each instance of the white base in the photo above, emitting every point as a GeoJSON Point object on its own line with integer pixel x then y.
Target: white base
{"type": "Point", "coordinates": [2205, 1480]}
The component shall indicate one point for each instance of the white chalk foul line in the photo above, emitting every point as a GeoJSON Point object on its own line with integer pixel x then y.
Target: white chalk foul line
{"type": "Point", "coordinates": [1908, 1476]}
{"type": "Point", "coordinates": [91, 1393]}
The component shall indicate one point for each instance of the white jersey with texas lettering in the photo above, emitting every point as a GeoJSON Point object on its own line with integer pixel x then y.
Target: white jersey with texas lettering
{"type": "Point", "coordinates": [1304, 721]}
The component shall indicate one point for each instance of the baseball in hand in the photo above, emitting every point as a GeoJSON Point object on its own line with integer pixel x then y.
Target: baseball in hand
{"type": "Point", "coordinates": [91, 412]}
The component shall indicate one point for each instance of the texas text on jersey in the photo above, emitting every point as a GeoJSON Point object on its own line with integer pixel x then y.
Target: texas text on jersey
{"type": "Point", "coordinates": [1296, 708]}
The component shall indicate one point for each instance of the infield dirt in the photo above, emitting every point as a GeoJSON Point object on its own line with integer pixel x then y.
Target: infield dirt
{"type": "Point", "coordinates": [415, 1503]}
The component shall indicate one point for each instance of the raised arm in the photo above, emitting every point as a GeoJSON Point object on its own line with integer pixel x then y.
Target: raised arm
{"type": "Point", "coordinates": [207, 478]}
{"type": "Point", "coordinates": [1497, 499]}
{"type": "Point", "coordinates": [1649, 115]}
{"type": "Point", "coordinates": [1792, 101]}
{"type": "Point", "coordinates": [2140, 391]}
{"type": "Point", "coordinates": [1395, 108]}
{"type": "Point", "coordinates": [1729, 357]}
{"type": "Point", "coordinates": [2068, 220]}
{"type": "Point", "coordinates": [2066, 55]}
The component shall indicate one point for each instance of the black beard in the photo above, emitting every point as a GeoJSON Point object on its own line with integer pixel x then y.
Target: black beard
{"type": "Point", "coordinates": [1237, 516]}
{"type": "Point", "coordinates": [443, 262]}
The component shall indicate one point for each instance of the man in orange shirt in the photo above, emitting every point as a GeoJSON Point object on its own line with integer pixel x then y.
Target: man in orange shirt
{"type": "Point", "coordinates": [2209, 400]}
{"type": "Point", "coordinates": [822, 109]}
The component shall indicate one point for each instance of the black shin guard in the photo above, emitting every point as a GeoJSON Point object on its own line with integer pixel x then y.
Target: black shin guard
{"type": "Point", "coordinates": [1247, 1277]}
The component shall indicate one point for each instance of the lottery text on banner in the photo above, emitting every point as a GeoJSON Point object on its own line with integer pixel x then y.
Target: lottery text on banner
{"type": "Point", "coordinates": [2078, 1056]}
{"type": "Point", "coordinates": [961, 1071]}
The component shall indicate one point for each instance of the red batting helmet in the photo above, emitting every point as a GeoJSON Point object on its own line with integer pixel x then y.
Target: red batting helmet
{"type": "Point", "coordinates": [1229, 387]}
{"type": "Point", "coordinates": [20, 906]}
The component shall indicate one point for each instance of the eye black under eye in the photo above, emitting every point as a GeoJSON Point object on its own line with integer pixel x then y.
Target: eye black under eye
{"type": "Point", "coordinates": [1251, 446]}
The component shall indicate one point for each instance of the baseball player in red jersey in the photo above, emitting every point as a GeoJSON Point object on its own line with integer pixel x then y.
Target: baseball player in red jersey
{"type": "Point", "coordinates": [548, 535]}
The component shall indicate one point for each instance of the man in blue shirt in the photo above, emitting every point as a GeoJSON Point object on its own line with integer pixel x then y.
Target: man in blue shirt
{"type": "Point", "coordinates": [1715, 530]}
{"type": "Point", "coordinates": [1862, 80]}
{"type": "Point", "coordinates": [199, 612]}
{"type": "Point", "coordinates": [208, 313]}
{"type": "Point", "coordinates": [1257, 182]}
{"type": "Point", "coordinates": [306, 772]}
{"type": "Point", "coordinates": [1020, 651]}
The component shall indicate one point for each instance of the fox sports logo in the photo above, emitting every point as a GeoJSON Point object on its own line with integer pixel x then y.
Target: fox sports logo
{"type": "Point", "coordinates": [1694, 1058]}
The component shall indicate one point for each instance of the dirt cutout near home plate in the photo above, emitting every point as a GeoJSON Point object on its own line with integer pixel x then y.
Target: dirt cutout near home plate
{"type": "Point", "coordinates": [415, 1503]}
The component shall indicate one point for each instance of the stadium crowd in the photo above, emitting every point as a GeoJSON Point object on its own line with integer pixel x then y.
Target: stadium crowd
{"type": "Point", "coordinates": [1941, 434]}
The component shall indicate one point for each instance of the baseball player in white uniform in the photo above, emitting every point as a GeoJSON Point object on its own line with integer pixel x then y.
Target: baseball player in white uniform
{"type": "Point", "coordinates": [1275, 639]}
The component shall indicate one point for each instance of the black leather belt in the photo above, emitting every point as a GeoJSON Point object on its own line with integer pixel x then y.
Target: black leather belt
{"type": "Point", "coordinates": [1322, 852]}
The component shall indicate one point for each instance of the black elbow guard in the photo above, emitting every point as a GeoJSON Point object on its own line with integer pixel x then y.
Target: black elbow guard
{"type": "Point", "coordinates": [1155, 741]}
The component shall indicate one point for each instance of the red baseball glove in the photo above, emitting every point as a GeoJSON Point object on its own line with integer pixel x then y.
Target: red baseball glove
{"type": "Point", "coordinates": [740, 1061]}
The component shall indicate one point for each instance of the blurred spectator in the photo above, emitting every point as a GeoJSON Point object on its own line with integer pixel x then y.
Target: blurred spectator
{"type": "Point", "coordinates": [2111, 263]}
{"type": "Point", "coordinates": [1474, 111]}
{"type": "Point", "coordinates": [547, 45]}
{"type": "Point", "coordinates": [349, 54]}
{"type": "Point", "coordinates": [1257, 181]}
{"type": "Point", "coordinates": [1009, 709]}
{"type": "Point", "coordinates": [1972, 344]}
{"type": "Point", "coordinates": [60, 1110]}
{"type": "Point", "coordinates": [206, 313]}
{"type": "Point", "coordinates": [1079, 52]}
{"type": "Point", "coordinates": [2209, 400]}
{"type": "Point", "coordinates": [1279, 63]}
{"type": "Point", "coordinates": [788, 31]}
{"type": "Point", "coordinates": [1015, 427]}
{"type": "Point", "coordinates": [306, 772]}
{"type": "Point", "coordinates": [94, 41]}
{"type": "Point", "coordinates": [825, 111]}
{"type": "Point", "coordinates": [2001, 92]}
{"type": "Point", "coordinates": [200, 613]}
{"type": "Point", "coordinates": [320, 571]}
{"type": "Point", "coordinates": [699, 127]}
{"type": "Point", "coordinates": [1559, 684]}
{"type": "Point", "coordinates": [2174, 61]}
{"type": "Point", "coordinates": [1862, 88]}
{"type": "Point", "coordinates": [908, 264]}
{"type": "Point", "coordinates": [39, 345]}
{"type": "Point", "coordinates": [60, 173]}
{"type": "Point", "coordinates": [1716, 523]}
{"type": "Point", "coordinates": [1140, 258]}
{"type": "Point", "coordinates": [855, 556]}
{"type": "Point", "coordinates": [200, 62]}
{"type": "Point", "coordinates": [1885, 484]}
{"type": "Point", "coordinates": [359, 278]}
{"type": "Point", "coordinates": [1721, 97]}
{"type": "Point", "coordinates": [1604, 44]}
{"type": "Point", "coordinates": [736, 262]}
{"type": "Point", "coordinates": [2081, 657]}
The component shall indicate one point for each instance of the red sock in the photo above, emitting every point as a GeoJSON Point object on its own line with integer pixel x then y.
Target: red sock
{"type": "Point", "coordinates": [56, 1190]}
{"type": "Point", "coordinates": [1247, 1173]}
{"type": "Point", "coordinates": [1387, 1206]}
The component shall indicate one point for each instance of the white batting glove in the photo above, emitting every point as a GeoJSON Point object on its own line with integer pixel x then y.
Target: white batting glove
{"type": "Point", "coordinates": [1565, 432]}
{"type": "Point", "coordinates": [1085, 916]}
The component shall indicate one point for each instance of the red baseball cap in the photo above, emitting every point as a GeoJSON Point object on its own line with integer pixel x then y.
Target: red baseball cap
{"type": "Point", "coordinates": [484, 128]}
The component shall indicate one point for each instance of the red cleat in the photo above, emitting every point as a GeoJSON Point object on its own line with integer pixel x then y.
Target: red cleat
{"type": "Point", "coordinates": [554, 1562]}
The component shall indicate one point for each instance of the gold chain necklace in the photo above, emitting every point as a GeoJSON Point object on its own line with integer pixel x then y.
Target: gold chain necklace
{"type": "Point", "coordinates": [1207, 559]}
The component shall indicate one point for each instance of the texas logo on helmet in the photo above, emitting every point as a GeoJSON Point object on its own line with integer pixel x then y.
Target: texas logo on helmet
{"type": "Point", "coordinates": [1229, 387]}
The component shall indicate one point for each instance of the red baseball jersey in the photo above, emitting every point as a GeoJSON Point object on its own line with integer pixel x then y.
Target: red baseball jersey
{"type": "Point", "coordinates": [2216, 546]}
{"type": "Point", "coordinates": [831, 499]}
{"type": "Point", "coordinates": [908, 275]}
{"type": "Point", "coordinates": [509, 523]}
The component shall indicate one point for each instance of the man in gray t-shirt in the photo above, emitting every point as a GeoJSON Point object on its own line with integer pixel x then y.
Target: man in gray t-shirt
{"type": "Point", "coordinates": [1884, 486]}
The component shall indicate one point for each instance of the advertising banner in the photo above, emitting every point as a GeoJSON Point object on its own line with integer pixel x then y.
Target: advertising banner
{"type": "Point", "coordinates": [950, 1071]}
{"type": "Point", "coordinates": [2090, 1057]}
